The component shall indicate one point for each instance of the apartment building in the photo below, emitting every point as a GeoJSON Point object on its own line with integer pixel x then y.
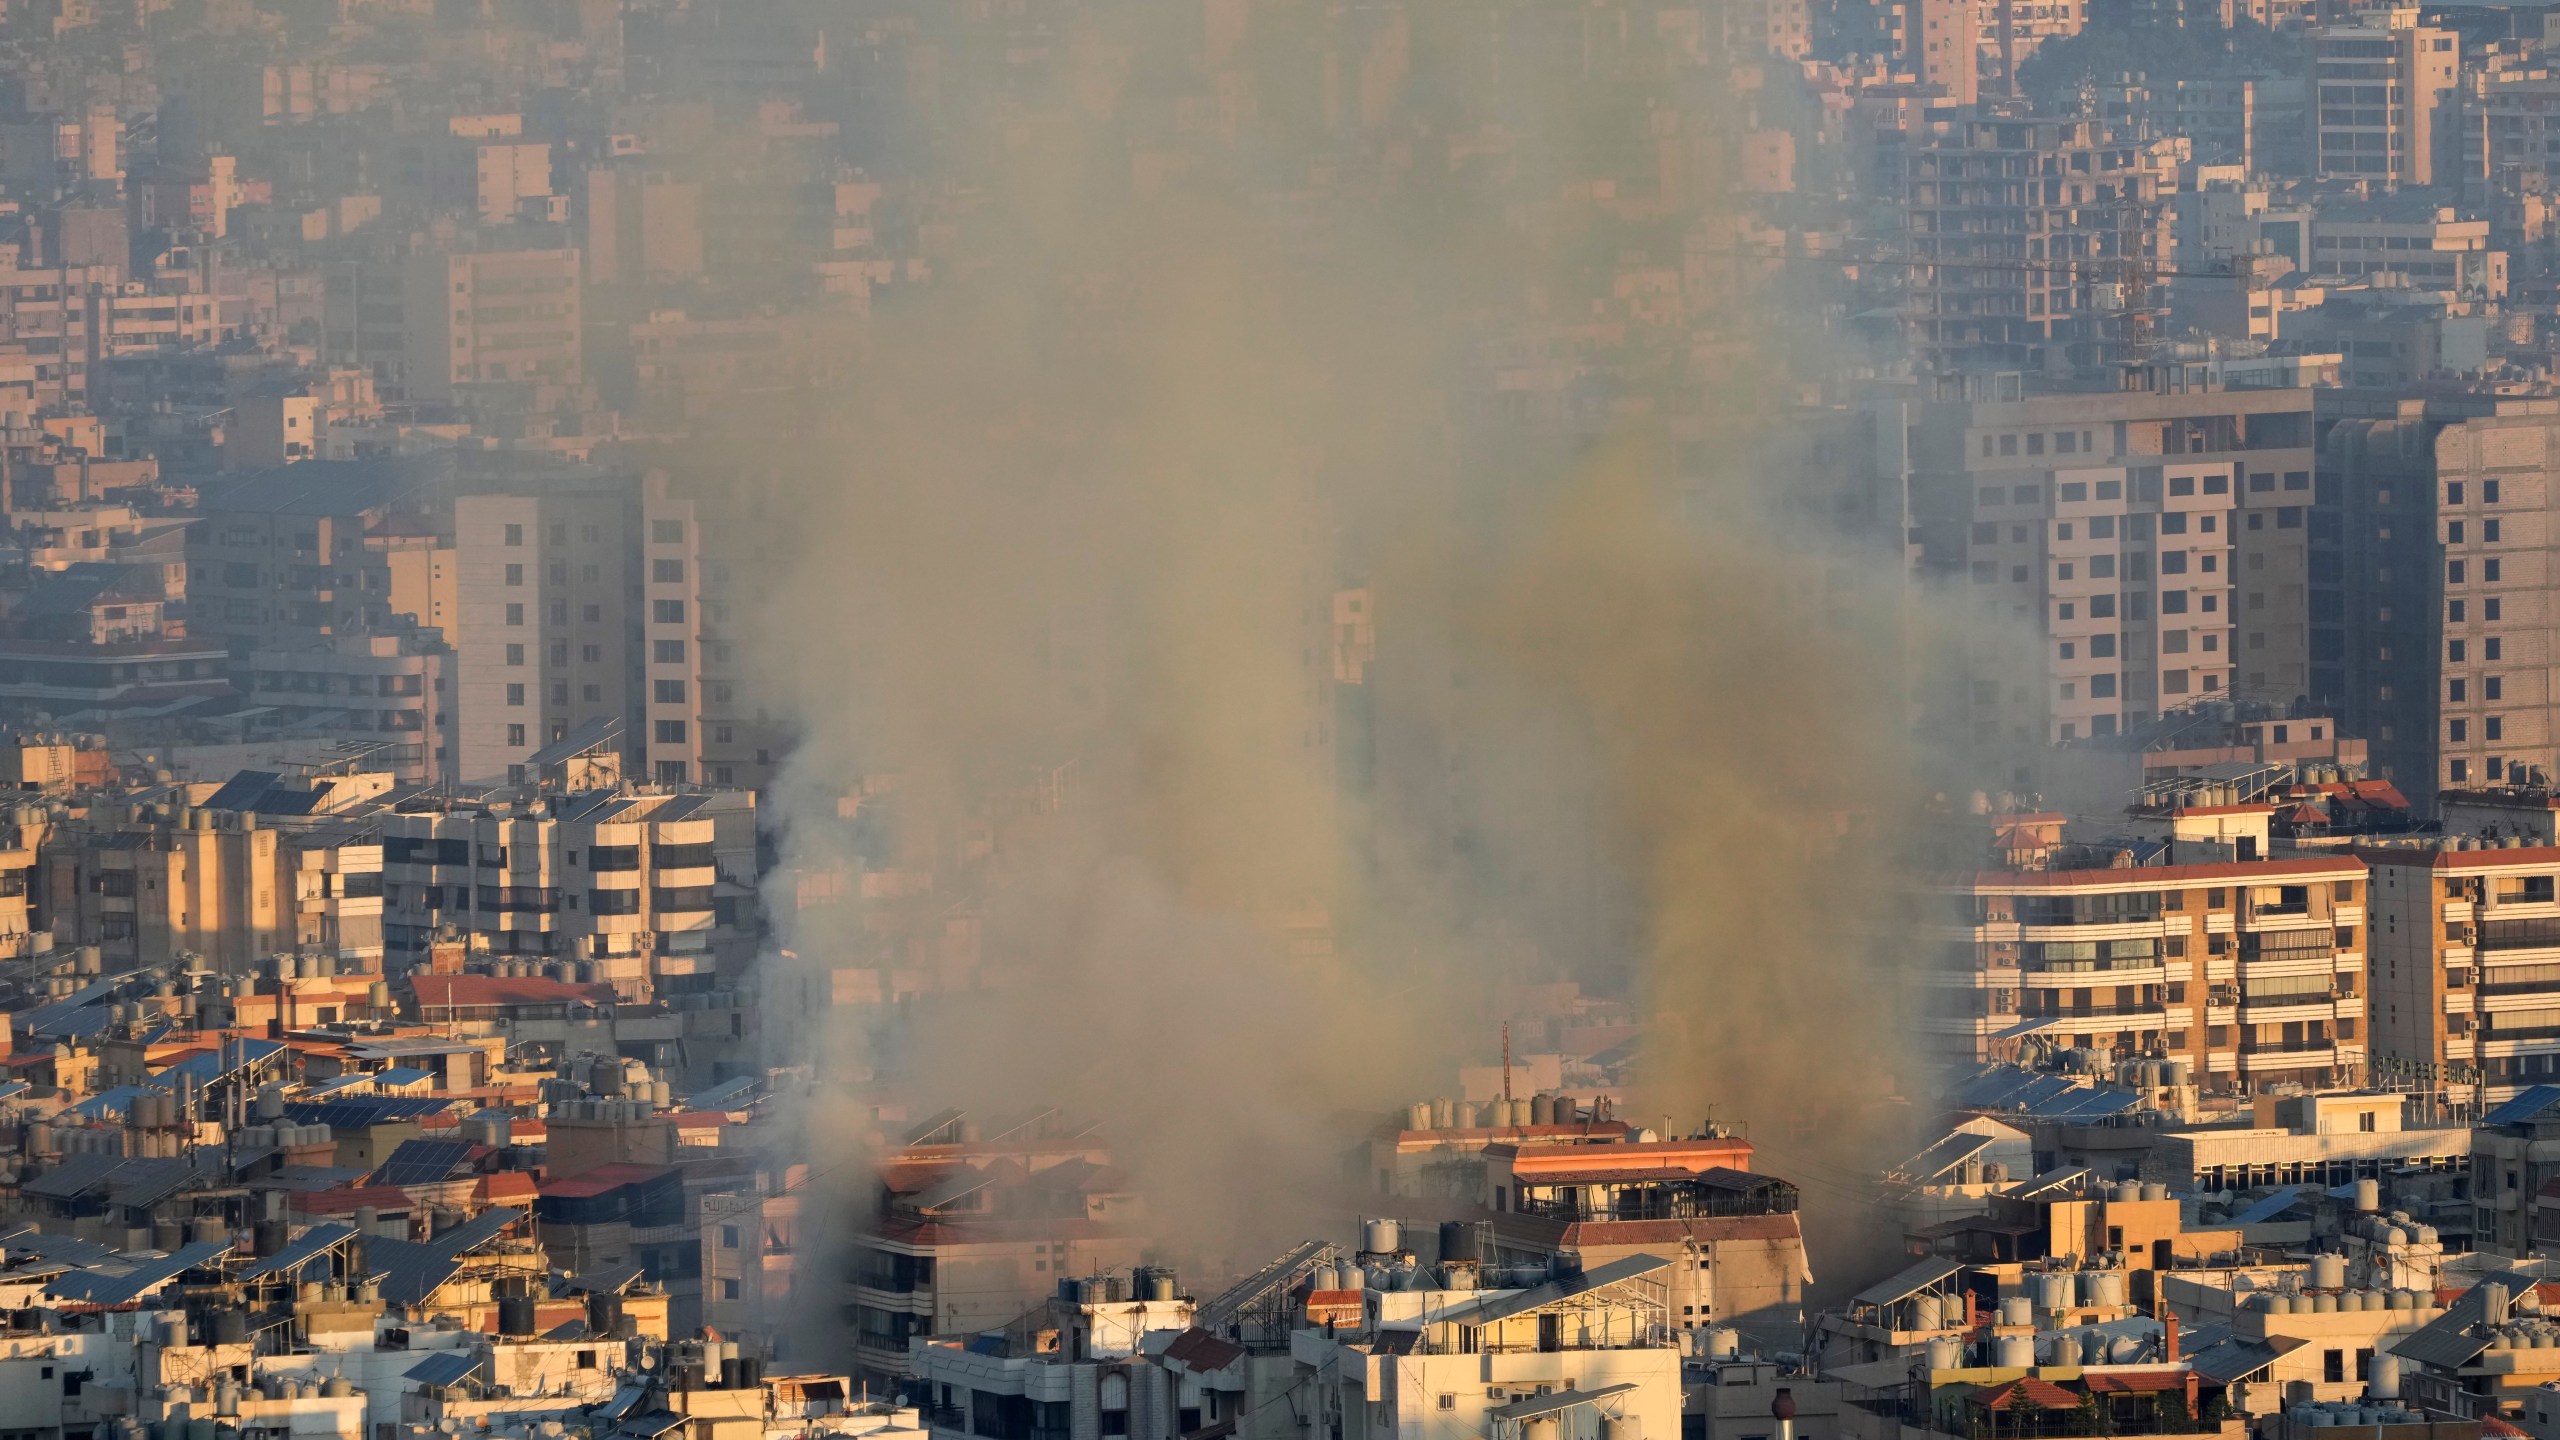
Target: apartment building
{"type": "Point", "coordinates": [970, 1233]}
{"type": "Point", "coordinates": [285, 556]}
{"type": "Point", "coordinates": [2446, 512]}
{"type": "Point", "coordinates": [393, 691]}
{"type": "Point", "coordinates": [2430, 245]}
{"type": "Point", "coordinates": [2386, 101]}
{"type": "Point", "coordinates": [2466, 963]}
{"type": "Point", "coordinates": [578, 599]}
{"type": "Point", "coordinates": [2156, 543]}
{"type": "Point", "coordinates": [2250, 971]}
{"type": "Point", "coordinates": [474, 315]}
{"type": "Point", "coordinates": [2080, 212]}
{"type": "Point", "coordinates": [237, 873]}
{"type": "Point", "coordinates": [651, 891]}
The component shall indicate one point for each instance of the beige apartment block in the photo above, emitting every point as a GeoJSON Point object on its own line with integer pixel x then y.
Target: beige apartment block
{"type": "Point", "coordinates": [2250, 972]}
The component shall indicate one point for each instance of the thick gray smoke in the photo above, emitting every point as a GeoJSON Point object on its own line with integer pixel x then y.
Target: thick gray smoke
{"type": "Point", "coordinates": [1056, 612]}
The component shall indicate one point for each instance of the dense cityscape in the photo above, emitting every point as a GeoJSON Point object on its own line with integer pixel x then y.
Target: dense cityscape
{"type": "Point", "coordinates": [1279, 719]}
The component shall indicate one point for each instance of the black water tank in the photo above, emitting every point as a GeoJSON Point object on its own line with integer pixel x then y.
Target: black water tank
{"type": "Point", "coordinates": [1457, 1241]}
{"type": "Point", "coordinates": [604, 1312]}
{"type": "Point", "coordinates": [731, 1371]}
{"type": "Point", "coordinates": [230, 1327]}
{"type": "Point", "coordinates": [750, 1373]}
{"type": "Point", "coordinates": [516, 1315]}
{"type": "Point", "coordinates": [268, 1237]}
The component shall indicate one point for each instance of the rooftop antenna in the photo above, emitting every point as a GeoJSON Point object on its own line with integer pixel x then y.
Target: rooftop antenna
{"type": "Point", "coordinates": [1506, 1060]}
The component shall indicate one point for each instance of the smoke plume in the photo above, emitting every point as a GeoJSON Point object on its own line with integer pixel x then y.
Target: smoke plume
{"type": "Point", "coordinates": [1058, 617]}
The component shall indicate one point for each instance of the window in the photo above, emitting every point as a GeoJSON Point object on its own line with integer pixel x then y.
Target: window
{"type": "Point", "coordinates": [2453, 572]}
{"type": "Point", "coordinates": [2489, 609]}
{"type": "Point", "coordinates": [2454, 690]}
{"type": "Point", "coordinates": [2333, 1366]}
{"type": "Point", "coordinates": [729, 1291]}
{"type": "Point", "coordinates": [666, 612]}
{"type": "Point", "coordinates": [2453, 492]}
{"type": "Point", "coordinates": [2493, 687]}
{"type": "Point", "coordinates": [515, 654]}
{"type": "Point", "coordinates": [2490, 648]}
{"type": "Point", "coordinates": [515, 614]}
{"type": "Point", "coordinates": [515, 534]}
{"type": "Point", "coordinates": [2453, 532]}
{"type": "Point", "coordinates": [666, 652]}
{"type": "Point", "coordinates": [2493, 728]}
{"type": "Point", "coordinates": [728, 1233]}
{"type": "Point", "coordinates": [666, 532]}
{"type": "Point", "coordinates": [670, 732]}
{"type": "Point", "coordinates": [515, 574]}
{"type": "Point", "coordinates": [666, 572]}
{"type": "Point", "coordinates": [2489, 531]}
{"type": "Point", "coordinates": [515, 735]}
{"type": "Point", "coordinates": [669, 692]}
{"type": "Point", "coordinates": [2457, 731]}
{"type": "Point", "coordinates": [2489, 570]}
{"type": "Point", "coordinates": [515, 695]}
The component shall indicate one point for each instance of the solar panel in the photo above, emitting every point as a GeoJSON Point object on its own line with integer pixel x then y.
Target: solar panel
{"type": "Point", "coordinates": [310, 1245]}
{"type": "Point", "coordinates": [362, 1114]}
{"type": "Point", "coordinates": [97, 1287]}
{"type": "Point", "coordinates": [422, 1162]}
{"type": "Point", "coordinates": [478, 1231]}
{"type": "Point", "coordinates": [409, 1272]}
{"type": "Point", "coordinates": [446, 1367]}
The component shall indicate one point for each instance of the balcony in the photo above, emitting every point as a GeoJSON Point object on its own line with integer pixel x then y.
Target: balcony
{"type": "Point", "coordinates": [2287, 1057]}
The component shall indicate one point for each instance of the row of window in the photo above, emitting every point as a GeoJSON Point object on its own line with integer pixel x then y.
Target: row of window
{"type": "Point", "coordinates": [661, 532]}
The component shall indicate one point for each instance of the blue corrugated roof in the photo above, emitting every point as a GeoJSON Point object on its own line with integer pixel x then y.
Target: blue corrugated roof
{"type": "Point", "coordinates": [2524, 1107]}
{"type": "Point", "coordinates": [2268, 1208]}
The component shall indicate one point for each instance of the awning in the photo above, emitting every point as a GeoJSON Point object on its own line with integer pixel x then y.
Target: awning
{"type": "Point", "coordinates": [1910, 1282]}
{"type": "Point", "coordinates": [1537, 1405]}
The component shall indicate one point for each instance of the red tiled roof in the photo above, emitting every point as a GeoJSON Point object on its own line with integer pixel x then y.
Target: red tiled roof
{"type": "Point", "coordinates": [2027, 1392]}
{"type": "Point", "coordinates": [507, 1187]}
{"type": "Point", "coordinates": [602, 1179]}
{"type": "Point", "coordinates": [2137, 1382]}
{"type": "Point", "coordinates": [1586, 1233]}
{"type": "Point", "coordinates": [343, 1202]}
{"type": "Point", "coordinates": [2157, 877]}
{"type": "Point", "coordinates": [437, 992]}
{"type": "Point", "coordinates": [1200, 1352]}
{"type": "Point", "coordinates": [2505, 1429]}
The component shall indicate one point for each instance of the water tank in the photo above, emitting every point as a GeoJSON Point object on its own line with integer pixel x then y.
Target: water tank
{"type": "Point", "coordinates": [1615, 1427]}
{"type": "Point", "coordinates": [2179, 1072]}
{"type": "Point", "coordinates": [1160, 1285]}
{"type": "Point", "coordinates": [515, 1315]}
{"type": "Point", "coordinates": [209, 1230]}
{"type": "Point", "coordinates": [2014, 1352]}
{"type": "Point", "coordinates": [2368, 1196]}
{"type": "Point", "coordinates": [1925, 1311]}
{"type": "Point", "coordinates": [2124, 1350]}
{"type": "Point", "coordinates": [167, 1235]}
{"type": "Point", "coordinates": [2427, 1235]}
{"type": "Point", "coordinates": [1444, 1114]}
{"type": "Point", "coordinates": [2017, 1310]}
{"type": "Point", "coordinates": [2093, 1347]}
{"type": "Point", "coordinates": [338, 1387]}
{"type": "Point", "coordinates": [1458, 1242]}
{"type": "Point", "coordinates": [231, 1325]}
{"type": "Point", "coordinates": [1381, 1237]}
{"type": "Point", "coordinates": [2053, 1291]}
{"type": "Point", "coordinates": [2127, 1190]}
{"type": "Point", "coordinates": [1417, 1116]}
{"type": "Point", "coordinates": [2324, 1303]}
{"type": "Point", "coordinates": [1542, 1109]}
{"type": "Point", "coordinates": [1724, 1343]}
{"type": "Point", "coordinates": [2111, 1287]}
{"type": "Point", "coordinates": [2328, 1272]}
{"type": "Point", "coordinates": [1542, 1427]}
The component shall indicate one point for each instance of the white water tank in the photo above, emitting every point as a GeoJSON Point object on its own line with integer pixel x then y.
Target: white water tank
{"type": "Point", "coordinates": [2014, 1352]}
{"type": "Point", "coordinates": [2017, 1310]}
{"type": "Point", "coordinates": [1380, 1237]}
{"type": "Point", "coordinates": [2382, 1377]}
